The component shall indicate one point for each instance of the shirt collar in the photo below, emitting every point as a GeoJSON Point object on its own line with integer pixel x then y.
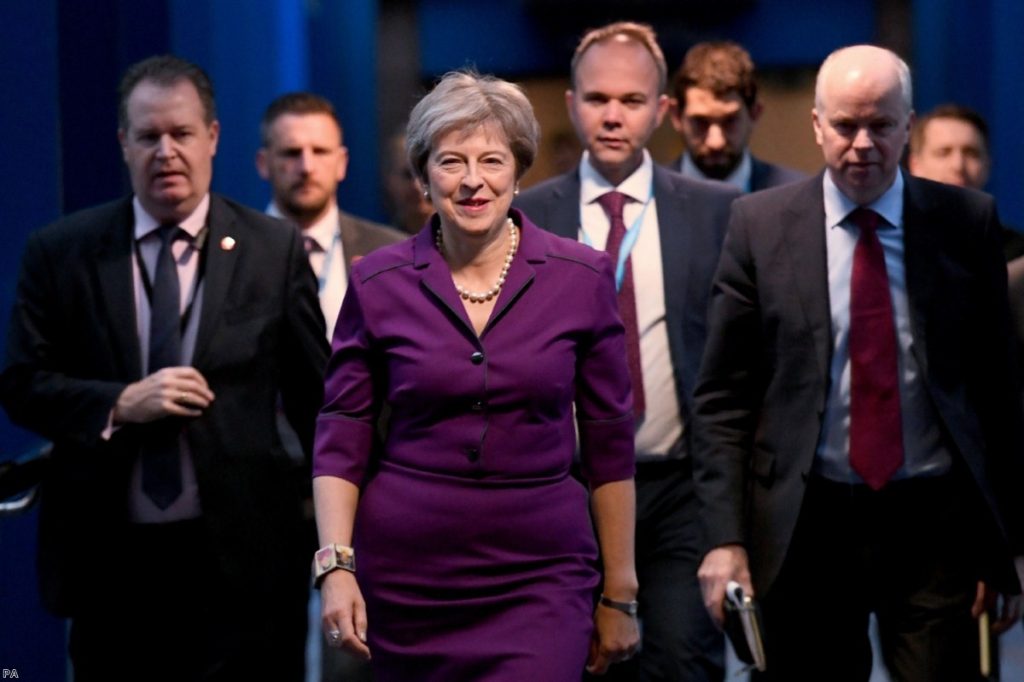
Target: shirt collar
{"type": "Point", "coordinates": [192, 224]}
{"type": "Point", "coordinates": [740, 176]}
{"type": "Point", "coordinates": [637, 186]}
{"type": "Point", "coordinates": [838, 205]}
{"type": "Point", "coordinates": [322, 231]}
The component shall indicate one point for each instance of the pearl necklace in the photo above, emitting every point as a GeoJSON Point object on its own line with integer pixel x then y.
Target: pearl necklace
{"type": "Point", "coordinates": [484, 296]}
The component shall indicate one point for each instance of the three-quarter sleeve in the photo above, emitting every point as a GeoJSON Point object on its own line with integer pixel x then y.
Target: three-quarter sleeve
{"type": "Point", "coordinates": [604, 401]}
{"type": "Point", "coordinates": [345, 426]}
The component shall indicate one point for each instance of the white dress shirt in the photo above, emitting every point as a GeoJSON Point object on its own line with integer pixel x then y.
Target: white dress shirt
{"type": "Point", "coordinates": [661, 427]}
{"type": "Point", "coordinates": [327, 261]}
{"type": "Point", "coordinates": [141, 509]}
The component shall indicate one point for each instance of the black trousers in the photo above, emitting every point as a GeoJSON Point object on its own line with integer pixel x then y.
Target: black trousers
{"type": "Point", "coordinates": [680, 643]}
{"type": "Point", "coordinates": [905, 553]}
{"type": "Point", "coordinates": [164, 611]}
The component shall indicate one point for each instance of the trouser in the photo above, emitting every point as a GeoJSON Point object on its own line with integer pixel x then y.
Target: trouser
{"type": "Point", "coordinates": [164, 611]}
{"type": "Point", "coordinates": [904, 553]}
{"type": "Point", "coordinates": [680, 642]}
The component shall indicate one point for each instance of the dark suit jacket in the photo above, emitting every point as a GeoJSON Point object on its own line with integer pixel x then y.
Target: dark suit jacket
{"type": "Point", "coordinates": [73, 348]}
{"type": "Point", "coordinates": [763, 175]}
{"type": "Point", "coordinates": [359, 237]}
{"type": "Point", "coordinates": [692, 216]}
{"type": "Point", "coordinates": [765, 376]}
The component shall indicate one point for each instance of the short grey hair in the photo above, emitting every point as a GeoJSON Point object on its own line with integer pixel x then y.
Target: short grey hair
{"type": "Point", "coordinates": [464, 100]}
{"type": "Point", "coordinates": [902, 73]}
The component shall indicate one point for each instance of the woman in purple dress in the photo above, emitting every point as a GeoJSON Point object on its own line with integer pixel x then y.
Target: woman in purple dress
{"type": "Point", "coordinates": [489, 343]}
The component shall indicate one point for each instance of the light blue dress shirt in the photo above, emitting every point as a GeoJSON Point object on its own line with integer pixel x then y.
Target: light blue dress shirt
{"type": "Point", "coordinates": [924, 452]}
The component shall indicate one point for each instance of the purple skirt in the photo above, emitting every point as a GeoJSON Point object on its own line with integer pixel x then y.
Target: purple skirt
{"type": "Point", "coordinates": [475, 579]}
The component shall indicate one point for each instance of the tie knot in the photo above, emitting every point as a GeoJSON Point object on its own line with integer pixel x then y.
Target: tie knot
{"type": "Point", "coordinates": [865, 219]}
{"type": "Point", "coordinates": [310, 244]}
{"type": "Point", "coordinates": [168, 233]}
{"type": "Point", "coordinates": [612, 203]}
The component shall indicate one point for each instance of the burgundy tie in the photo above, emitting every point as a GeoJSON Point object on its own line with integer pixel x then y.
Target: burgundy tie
{"type": "Point", "coordinates": [876, 426]}
{"type": "Point", "coordinates": [310, 244]}
{"type": "Point", "coordinates": [612, 203]}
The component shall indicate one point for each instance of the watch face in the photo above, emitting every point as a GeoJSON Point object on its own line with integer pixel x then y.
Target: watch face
{"type": "Point", "coordinates": [324, 558]}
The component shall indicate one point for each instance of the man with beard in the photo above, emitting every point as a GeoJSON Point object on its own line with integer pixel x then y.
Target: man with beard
{"type": "Point", "coordinates": [714, 111]}
{"type": "Point", "coordinates": [304, 159]}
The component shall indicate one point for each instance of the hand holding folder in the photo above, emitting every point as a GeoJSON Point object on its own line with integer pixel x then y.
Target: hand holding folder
{"type": "Point", "coordinates": [743, 626]}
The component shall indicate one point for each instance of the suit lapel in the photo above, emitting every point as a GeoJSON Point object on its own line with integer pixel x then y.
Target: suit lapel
{"type": "Point", "coordinates": [563, 210]}
{"type": "Point", "coordinates": [921, 260]}
{"type": "Point", "coordinates": [351, 244]}
{"type": "Point", "coordinates": [436, 278]}
{"type": "Point", "coordinates": [521, 273]}
{"type": "Point", "coordinates": [219, 271]}
{"type": "Point", "coordinates": [674, 236]}
{"type": "Point", "coordinates": [803, 235]}
{"type": "Point", "coordinates": [115, 277]}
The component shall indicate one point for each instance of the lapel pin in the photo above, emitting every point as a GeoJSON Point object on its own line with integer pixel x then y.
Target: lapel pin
{"type": "Point", "coordinates": [227, 244]}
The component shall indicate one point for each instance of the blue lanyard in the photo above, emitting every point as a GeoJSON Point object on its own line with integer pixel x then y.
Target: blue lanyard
{"type": "Point", "coordinates": [325, 267]}
{"type": "Point", "coordinates": [628, 242]}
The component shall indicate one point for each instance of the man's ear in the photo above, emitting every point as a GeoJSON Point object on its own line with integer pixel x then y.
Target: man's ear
{"type": "Point", "coordinates": [817, 126]}
{"type": "Point", "coordinates": [342, 169]}
{"type": "Point", "coordinates": [569, 95]}
{"type": "Point", "coordinates": [912, 163]}
{"type": "Point", "coordinates": [214, 132]}
{"type": "Point", "coordinates": [756, 110]}
{"type": "Point", "coordinates": [262, 164]}
{"type": "Point", "coordinates": [675, 114]}
{"type": "Point", "coordinates": [663, 103]}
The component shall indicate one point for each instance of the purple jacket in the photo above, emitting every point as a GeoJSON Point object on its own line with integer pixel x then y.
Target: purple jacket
{"type": "Point", "coordinates": [498, 406]}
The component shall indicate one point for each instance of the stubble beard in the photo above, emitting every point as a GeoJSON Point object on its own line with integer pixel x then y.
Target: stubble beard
{"type": "Point", "coordinates": [304, 212]}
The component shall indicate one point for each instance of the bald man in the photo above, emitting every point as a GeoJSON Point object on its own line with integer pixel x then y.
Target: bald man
{"type": "Point", "coordinates": [857, 434]}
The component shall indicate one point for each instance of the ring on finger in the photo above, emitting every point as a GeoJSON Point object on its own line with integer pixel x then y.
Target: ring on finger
{"type": "Point", "coordinates": [334, 636]}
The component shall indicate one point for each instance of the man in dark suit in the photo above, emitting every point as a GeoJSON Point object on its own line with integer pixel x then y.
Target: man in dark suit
{"type": "Point", "coordinates": [304, 159]}
{"type": "Point", "coordinates": [857, 431]}
{"type": "Point", "coordinates": [665, 263]}
{"type": "Point", "coordinates": [714, 110]}
{"type": "Point", "coordinates": [152, 339]}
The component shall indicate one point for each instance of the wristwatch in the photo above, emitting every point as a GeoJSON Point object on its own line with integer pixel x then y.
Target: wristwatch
{"type": "Point", "coordinates": [630, 608]}
{"type": "Point", "coordinates": [332, 557]}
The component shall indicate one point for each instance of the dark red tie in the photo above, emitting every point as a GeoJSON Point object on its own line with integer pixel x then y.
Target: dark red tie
{"type": "Point", "coordinates": [310, 244]}
{"type": "Point", "coordinates": [612, 203]}
{"type": "Point", "coordinates": [876, 426]}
